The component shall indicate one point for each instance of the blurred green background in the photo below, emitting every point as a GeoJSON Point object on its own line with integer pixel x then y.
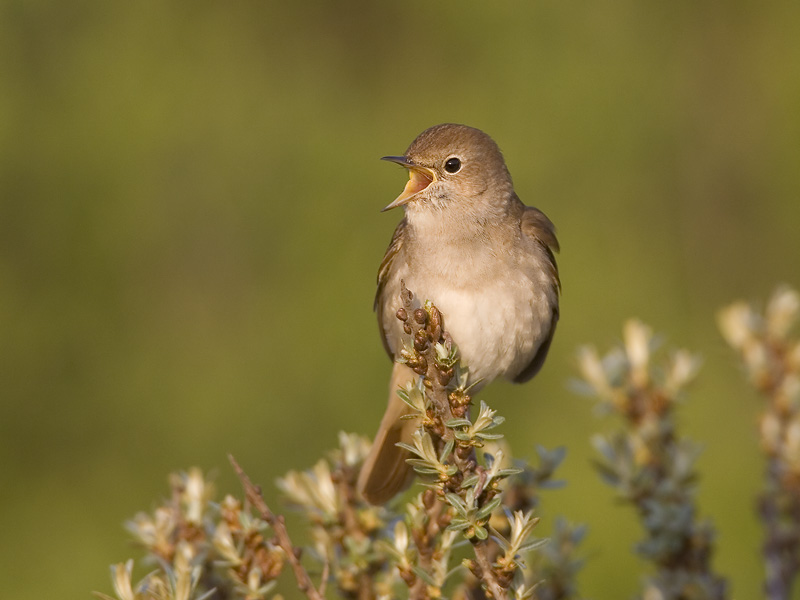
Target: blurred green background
{"type": "Point", "coordinates": [190, 231]}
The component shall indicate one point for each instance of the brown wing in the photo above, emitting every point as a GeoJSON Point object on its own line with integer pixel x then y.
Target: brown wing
{"type": "Point", "coordinates": [535, 224]}
{"type": "Point", "coordinates": [383, 277]}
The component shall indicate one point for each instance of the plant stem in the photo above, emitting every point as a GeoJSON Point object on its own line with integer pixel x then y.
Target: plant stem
{"type": "Point", "coordinates": [278, 525]}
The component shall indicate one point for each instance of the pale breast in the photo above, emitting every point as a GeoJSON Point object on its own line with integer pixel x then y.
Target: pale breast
{"type": "Point", "coordinates": [497, 311]}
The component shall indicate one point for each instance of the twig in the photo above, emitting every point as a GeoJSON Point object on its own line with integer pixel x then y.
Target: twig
{"type": "Point", "coordinates": [768, 349]}
{"type": "Point", "coordinates": [651, 466]}
{"type": "Point", "coordinates": [426, 328]}
{"type": "Point", "coordinates": [278, 525]}
{"type": "Point", "coordinates": [779, 503]}
{"type": "Point", "coordinates": [425, 540]}
{"type": "Point", "coordinates": [425, 335]}
{"type": "Point", "coordinates": [326, 572]}
{"type": "Point", "coordinates": [487, 571]}
{"type": "Point", "coordinates": [349, 520]}
{"type": "Point", "coordinates": [779, 510]}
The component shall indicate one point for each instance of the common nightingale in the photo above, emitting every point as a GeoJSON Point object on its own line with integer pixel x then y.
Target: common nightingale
{"type": "Point", "coordinates": [469, 245]}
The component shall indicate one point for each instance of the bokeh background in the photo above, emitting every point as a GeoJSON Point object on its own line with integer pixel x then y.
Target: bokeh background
{"type": "Point", "coordinates": [190, 231]}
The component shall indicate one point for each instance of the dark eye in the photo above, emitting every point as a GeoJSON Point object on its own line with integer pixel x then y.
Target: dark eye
{"type": "Point", "coordinates": [452, 165]}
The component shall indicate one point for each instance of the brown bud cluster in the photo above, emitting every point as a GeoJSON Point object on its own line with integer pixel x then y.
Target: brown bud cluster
{"type": "Point", "coordinates": [421, 340]}
{"type": "Point", "coordinates": [445, 375]}
{"type": "Point", "coordinates": [437, 323]}
{"type": "Point", "coordinates": [402, 315]}
{"type": "Point", "coordinates": [459, 404]}
{"type": "Point", "coordinates": [419, 364]}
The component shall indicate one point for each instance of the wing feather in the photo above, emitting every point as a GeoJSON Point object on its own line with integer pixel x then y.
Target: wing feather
{"type": "Point", "coordinates": [383, 278]}
{"type": "Point", "coordinates": [535, 224]}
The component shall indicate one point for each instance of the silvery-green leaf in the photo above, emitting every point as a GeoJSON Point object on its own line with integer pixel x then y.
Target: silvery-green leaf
{"type": "Point", "coordinates": [470, 481]}
{"type": "Point", "coordinates": [487, 510]}
{"type": "Point", "coordinates": [448, 448]}
{"type": "Point", "coordinates": [533, 545]}
{"type": "Point", "coordinates": [424, 575]}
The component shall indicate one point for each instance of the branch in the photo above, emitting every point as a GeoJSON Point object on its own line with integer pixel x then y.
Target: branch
{"type": "Point", "coordinates": [768, 349]}
{"type": "Point", "coordinates": [487, 573]}
{"type": "Point", "coordinates": [425, 537]}
{"type": "Point", "coordinates": [278, 525]}
{"type": "Point", "coordinates": [426, 328]}
{"type": "Point", "coordinates": [650, 465]}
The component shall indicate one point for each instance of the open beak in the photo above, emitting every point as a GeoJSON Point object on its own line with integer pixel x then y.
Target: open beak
{"type": "Point", "coordinates": [419, 178]}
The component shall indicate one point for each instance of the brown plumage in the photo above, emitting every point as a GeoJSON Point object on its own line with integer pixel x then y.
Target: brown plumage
{"type": "Point", "coordinates": [469, 245]}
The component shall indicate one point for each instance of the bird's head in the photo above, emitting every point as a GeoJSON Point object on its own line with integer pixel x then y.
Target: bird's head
{"type": "Point", "coordinates": [452, 164]}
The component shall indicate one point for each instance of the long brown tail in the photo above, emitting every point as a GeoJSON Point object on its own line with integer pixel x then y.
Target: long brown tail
{"type": "Point", "coordinates": [385, 472]}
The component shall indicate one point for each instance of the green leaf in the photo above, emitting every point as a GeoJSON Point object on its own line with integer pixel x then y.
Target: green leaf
{"type": "Point", "coordinates": [469, 481]}
{"type": "Point", "coordinates": [456, 502]}
{"type": "Point", "coordinates": [607, 473]}
{"type": "Point", "coordinates": [552, 457]}
{"type": "Point", "coordinates": [508, 472]}
{"type": "Point", "coordinates": [448, 448]}
{"type": "Point", "coordinates": [500, 540]}
{"type": "Point", "coordinates": [424, 575]}
{"type": "Point", "coordinates": [408, 447]}
{"type": "Point", "coordinates": [533, 545]}
{"type": "Point", "coordinates": [425, 471]}
{"type": "Point", "coordinates": [419, 462]}
{"type": "Point", "coordinates": [458, 525]}
{"type": "Point", "coordinates": [487, 510]}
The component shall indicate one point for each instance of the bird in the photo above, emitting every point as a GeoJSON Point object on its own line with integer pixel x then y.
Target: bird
{"type": "Point", "coordinates": [470, 246]}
